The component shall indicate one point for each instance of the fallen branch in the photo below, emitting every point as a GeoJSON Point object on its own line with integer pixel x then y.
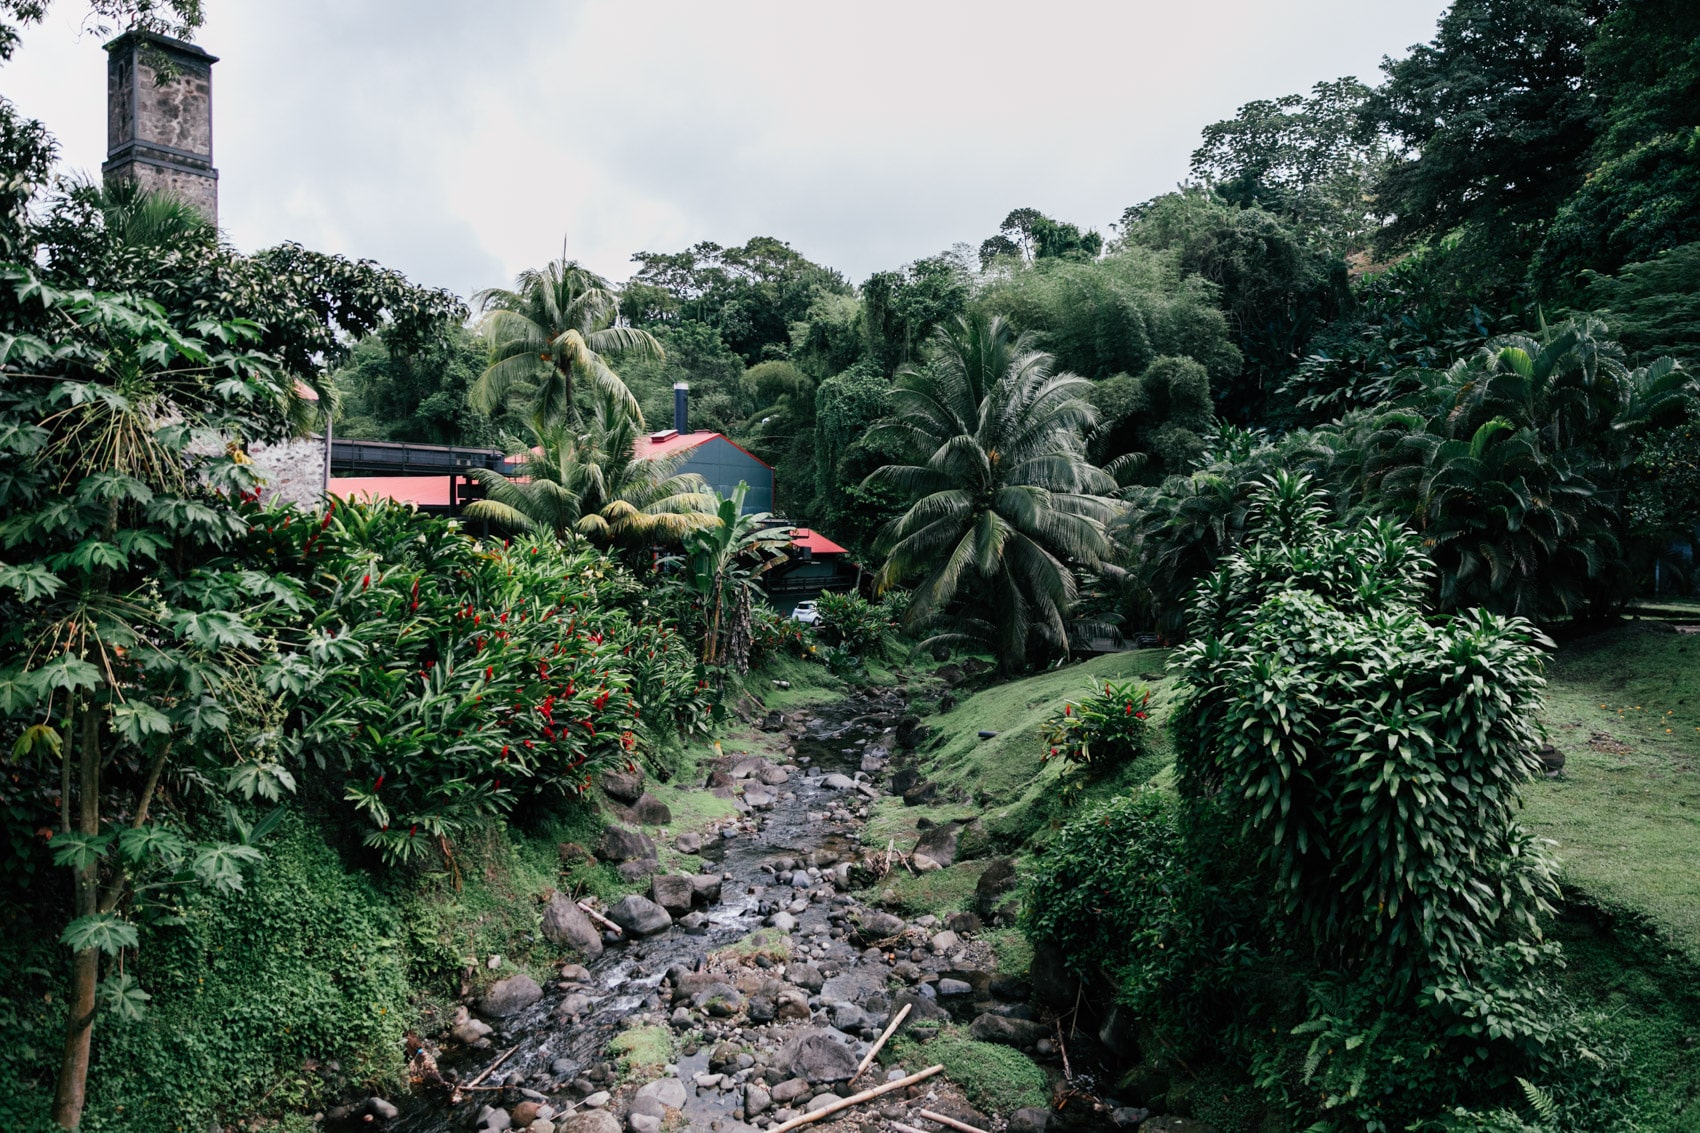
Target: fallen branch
{"type": "Point", "coordinates": [902, 1128]}
{"type": "Point", "coordinates": [856, 1099]}
{"type": "Point", "coordinates": [601, 920]}
{"type": "Point", "coordinates": [879, 1042]}
{"type": "Point", "coordinates": [959, 1126]}
{"type": "Point", "coordinates": [490, 1069]}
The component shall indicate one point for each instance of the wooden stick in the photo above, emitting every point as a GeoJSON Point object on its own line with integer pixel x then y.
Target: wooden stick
{"type": "Point", "coordinates": [902, 1128]}
{"type": "Point", "coordinates": [601, 920]}
{"type": "Point", "coordinates": [879, 1042]}
{"type": "Point", "coordinates": [960, 1126]}
{"type": "Point", "coordinates": [856, 1099]}
{"type": "Point", "coordinates": [488, 1070]}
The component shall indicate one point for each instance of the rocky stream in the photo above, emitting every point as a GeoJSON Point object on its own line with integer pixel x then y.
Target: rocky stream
{"type": "Point", "coordinates": [761, 979]}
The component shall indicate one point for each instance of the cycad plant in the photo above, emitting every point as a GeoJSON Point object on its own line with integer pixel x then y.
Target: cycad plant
{"type": "Point", "coordinates": [725, 558]}
{"type": "Point", "coordinates": [1005, 503]}
{"type": "Point", "coordinates": [552, 334]}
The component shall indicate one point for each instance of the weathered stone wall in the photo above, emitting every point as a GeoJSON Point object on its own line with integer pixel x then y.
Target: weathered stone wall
{"type": "Point", "coordinates": [294, 470]}
{"type": "Point", "coordinates": [159, 131]}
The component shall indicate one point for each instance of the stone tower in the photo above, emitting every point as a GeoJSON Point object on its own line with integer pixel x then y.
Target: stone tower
{"type": "Point", "coordinates": [159, 118]}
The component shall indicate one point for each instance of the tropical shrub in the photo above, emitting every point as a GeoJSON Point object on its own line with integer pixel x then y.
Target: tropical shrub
{"type": "Point", "coordinates": [458, 680]}
{"type": "Point", "coordinates": [1102, 730]}
{"type": "Point", "coordinates": [850, 621]}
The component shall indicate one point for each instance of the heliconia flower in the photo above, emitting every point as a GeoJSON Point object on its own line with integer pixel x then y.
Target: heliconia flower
{"type": "Point", "coordinates": [379, 785]}
{"type": "Point", "coordinates": [412, 830]}
{"type": "Point", "coordinates": [504, 617]}
{"type": "Point", "coordinates": [365, 581]}
{"type": "Point", "coordinates": [489, 671]}
{"type": "Point", "coordinates": [1068, 710]}
{"type": "Point", "coordinates": [415, 605]}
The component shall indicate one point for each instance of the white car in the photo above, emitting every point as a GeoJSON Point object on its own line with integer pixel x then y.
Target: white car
{"type": "Point", "coordinates": [805, 613]}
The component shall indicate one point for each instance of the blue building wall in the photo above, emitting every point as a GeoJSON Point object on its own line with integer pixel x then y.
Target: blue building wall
{"type": "Point", "coordinates": [723, 464]}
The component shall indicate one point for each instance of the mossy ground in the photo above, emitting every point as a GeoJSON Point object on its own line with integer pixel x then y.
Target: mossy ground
{"type": "Point", "coordinates": [940, 892]}
{"type": "Point", "coordinates": [641, 1052]}
{"type": "Point", "coordinates": [995, 1079]}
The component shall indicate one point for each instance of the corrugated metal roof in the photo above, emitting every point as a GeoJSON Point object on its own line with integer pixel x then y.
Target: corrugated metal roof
{"type": "Point", "coordinates": [425, 491]}
{"type": "Point", "coordinates": [815, 542]}
{"type": "Point", "coordinates": [663, 444]}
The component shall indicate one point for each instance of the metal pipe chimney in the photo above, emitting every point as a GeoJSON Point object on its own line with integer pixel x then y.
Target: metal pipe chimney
{"type": "Point", "coordinates": [681, 407]}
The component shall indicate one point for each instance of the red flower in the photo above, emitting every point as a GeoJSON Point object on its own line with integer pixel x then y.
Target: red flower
{"type": "Point", "coordinates": [365, 581]}
{"type": "Point", "coordinates": [379, 785]}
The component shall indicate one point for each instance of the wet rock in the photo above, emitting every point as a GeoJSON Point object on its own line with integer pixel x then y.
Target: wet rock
{"type": "Point", "coordinates": [591, 1121]}
{"type": "Point", "coordinates": [1029, 1119]}
{"type": "Point", "coordinates": [783, 921]}
{"type": "Point", "coordinates": [509, 997]}
{"type": "Point", "coordinates": [651, 811]}
{"type": "Point", "coordinates": [719, 1000]}
{"type": "Point", "coordinates": [838, 782]}
{"type": "Point", "coordinates": [1010, 1032]}
{"type": "Point", "coordinates": [760, 1009]}
{"type": "Point", "coordinates": [470, 1031]}
{"type": "Point", "coordinates": [760, 798]}
{"type": "Point", "coordinates": [817, 1057]}
{"type": "Point", "coordinates": [618, 844]}
{"type": "Point", "coordinates": [640, 916]}
{"type": "Point", "coordinates": [876, 926]}
{"type": "Point", "coordinates": [623, 786]}
{"type": "Point", "coordinates": [951, 989]}
{"type": "Point", "coordinates": [575, 973]}
{"type": "Point", "coordinates": [639, 868]}
{"type": "Point", "coordinates": [688, 843]}
{"type": "Point", "coordinates": [695, 924]}
{"type": "Point", "coordinates": [672, 892]}
{"type": "Point", "coordinates": [670, 1092]}
{"type": "Point", "coordinates": [565, 923]}
{"type": "Point", "coordinates": [706, 887]}
{"type": "Point", "coordinates": [381, 1109]}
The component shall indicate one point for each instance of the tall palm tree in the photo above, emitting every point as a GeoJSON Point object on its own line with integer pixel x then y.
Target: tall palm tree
{"type": "Point", "coordinates": [1005, 501]}
{"type": "Point", "coordinates": [552, 333]}
{"type": "Point", "coordinates": [590, 481]}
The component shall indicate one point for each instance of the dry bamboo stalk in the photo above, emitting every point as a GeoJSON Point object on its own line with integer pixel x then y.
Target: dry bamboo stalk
{"type": "Point", "coordinates": [488, 1070]}
{"type": "Point", "coordinates": [856, 1099]}
{"type": "Point", "coordinates": [601, 920]}
{"type": "Point", "coordinates": [960, 1126]}
{"type": "Point", "coordinates": [902, 1128]}
{"type": "Point", "coordinates": [879, 1042]}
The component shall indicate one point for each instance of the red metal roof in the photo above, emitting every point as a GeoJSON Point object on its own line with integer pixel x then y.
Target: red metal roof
{"type": "Point", "coordinates": [654, 445]}
{"type": "Point", "coordinates": [815, 542]}
{"type": "Point", "coordinates": [425, 491]}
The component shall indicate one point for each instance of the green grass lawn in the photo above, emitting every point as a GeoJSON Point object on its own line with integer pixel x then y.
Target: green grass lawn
{"type": "Point", "coordinates": [1624, 706]}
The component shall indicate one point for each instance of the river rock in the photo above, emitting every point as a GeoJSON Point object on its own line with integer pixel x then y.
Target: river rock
{"type": "Point", "coordinates": [783, 921]}
{"type": "Point", "coordinates": [688, 843]}
{"type": "Point", "coordinates": [951, 989]}
{"type": "Point", "coordinates": [470, 1031]}
{"type": "Point", "coordinates": [790, 1090]}
{"type": "Point", "coordinates": [643, 1123]}
{"type": "Point", "coordinates": [876, 926]}
{"type": "Point", "coordinates": [565, 923]}
{"type": "Point", "coordinates": [817, 1057]}
{"type": "Point", "coordinates": [623, 786]}
{"type": "Point", "coordinates": [640, 916]}
{"type": "Point", "coordinates": [921, 794]}
{"type": "Point", "coordinates": [672, 892]}
{"type": "Point", "coordinates": [756, 1101]}
{"type": "Point", "coordinates": [509, 996]}
{"type": "Point", "coordinates": [670, 1092]}
{"type": "Point", "coordinates": [1029, 1119]}
{"type": "Point", "coordinates": [990, 1028]}
{"type": "Point", "coordinates": [706, 887]}
{"type": "Point", "coordinates": [791, 1006]}
{"type": "Point", "coordinates": [382, 1109]}
{"type": "Point", "coordinates": [992, 893]}
{"type": "Point", "coordinates": [944, 943]}
{"type": "Point", "coordinates": [939, 843]}
{"type": "Point", "coordinates": [838, 782]}
{"type": "Point", "coordinates": [575, 973]}
{"type": "Point", "coordinates": [651, 811]}
{"type": "Point", "coordinates": [524, 1113]}
{"type": "Point", "coordinates": [719, 1000]}
{"type": "Point", "coordinates": [774, 776]}
{"type": "Point", "coordinates": [619, 844]}
{"type": "Point", "coordinates": [590, 1121]}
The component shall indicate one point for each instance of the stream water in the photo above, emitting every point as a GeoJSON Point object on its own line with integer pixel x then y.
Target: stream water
{"type": "Point", "coordinates": [847, 736]}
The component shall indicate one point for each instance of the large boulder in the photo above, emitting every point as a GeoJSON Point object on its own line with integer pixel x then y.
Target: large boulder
{"type": "Point", "coordinates": [623, 786]}
{"type": "Point", "coordinates": [619, 844]}
{"type": "Point", "coordinates": [565, 923]}
{"type": "Point", "coordinates": [816, 1056]}
{"type": "Point", "coordinates": [651, 811]}
{"type": "Point", "coordinates": [939, 843]}
{"type": "Point", "coordinates": [509, 997]}
{"type": "Point", "coordinates": [875, 926]}
{"type": "Point", "coordinates": [670, 1092]}
{"type": "Point", "coordinates": [706, 887]}
{"type": "Point", "coordinates": [640, 916]}
{"type": "Point", "coordinates": [672, 892]}
{"type": "Point", "coordinates": [992, 892]}
{"type": "Point", "coordinates": [1029, 1119]}
{"type": "Point", "coordinates": [588, 1121]}
{"type": "Point", "coordinates": [991, 1028]}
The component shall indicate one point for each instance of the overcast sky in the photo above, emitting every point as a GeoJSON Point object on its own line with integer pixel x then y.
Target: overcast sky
{"type": "Point", "coordinates": [459, 142]}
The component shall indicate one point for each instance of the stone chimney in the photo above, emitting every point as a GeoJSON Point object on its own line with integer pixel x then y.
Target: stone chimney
{"type": "Point", "coordinates": [159, 118]}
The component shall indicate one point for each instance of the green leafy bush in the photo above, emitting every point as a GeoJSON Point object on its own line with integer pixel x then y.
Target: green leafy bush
{"type": "Point", "coordinates": [854, 624]}
{"type": "Point", "coordinates": [1103, 730]}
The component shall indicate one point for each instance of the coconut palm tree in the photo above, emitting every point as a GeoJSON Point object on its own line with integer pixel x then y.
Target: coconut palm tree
{"type": "Point", "coordinates": [591, 482]}
{"type": "Point", "coordinates": [551, 334]}
{"type": "Point", "coordinates": [1005, 502]}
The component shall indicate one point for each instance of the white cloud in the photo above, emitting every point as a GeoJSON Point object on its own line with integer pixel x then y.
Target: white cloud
{"type": "Point", "coordinates": [460, 142]}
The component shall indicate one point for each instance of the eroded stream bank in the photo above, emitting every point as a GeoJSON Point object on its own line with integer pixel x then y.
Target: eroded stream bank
{"type": "Point", "coordinates": [745, 994]}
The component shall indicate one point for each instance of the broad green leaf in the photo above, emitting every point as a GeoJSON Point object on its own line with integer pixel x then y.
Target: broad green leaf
{"type": "Point", "coordinates": [124, 997]}
{"type": "Point", "coordinates": [105, 931]}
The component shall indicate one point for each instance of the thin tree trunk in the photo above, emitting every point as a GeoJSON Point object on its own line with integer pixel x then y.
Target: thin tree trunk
{"type": "Point", "coordinates": [85, 967]}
